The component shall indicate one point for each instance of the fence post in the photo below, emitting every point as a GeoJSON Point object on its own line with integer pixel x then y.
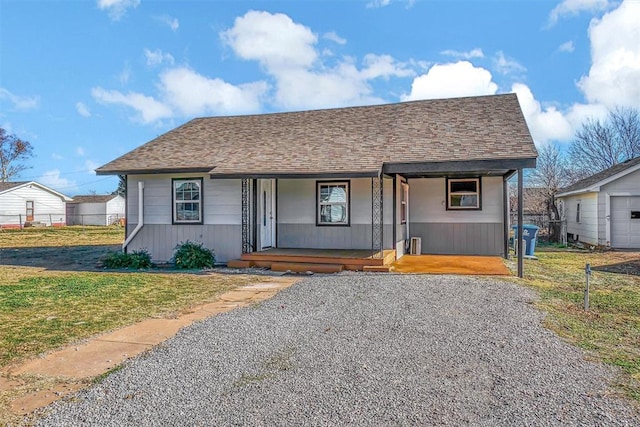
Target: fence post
{"type": "Point", "coordinates": [20, 220]}
{"type": "Point", "coordinates": [587, 273]}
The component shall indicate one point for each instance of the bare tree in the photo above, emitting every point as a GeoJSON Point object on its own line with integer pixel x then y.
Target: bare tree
{"type": "Point", "coordinates": [13, 152]}
{"type": "Point", "coordinates": [598, 145]}
{"type": "Point", "coordinates": [551, 174]}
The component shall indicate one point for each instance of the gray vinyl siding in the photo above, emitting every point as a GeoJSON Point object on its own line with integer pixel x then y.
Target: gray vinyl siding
{"type": "Point", "coordinates": [222, 217]}
{"type": "Point", "coordinates": [161, 239]}
{"type": "Point", "coordinates": [472, 232]}
{"type": "Point", "coordinates": [460, 238]}
{"type": "Point", "coordinates": [296, 216]}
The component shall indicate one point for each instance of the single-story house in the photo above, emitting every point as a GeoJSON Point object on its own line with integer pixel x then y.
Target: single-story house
{"type": "Point", "coordinates": [370, 177]}
{"type": "Point", "coordinates": [95, 209]}
{"type": "Point", "coordinates": [604, 209]}
{"type": "Point", "coordinates": [30, 203]}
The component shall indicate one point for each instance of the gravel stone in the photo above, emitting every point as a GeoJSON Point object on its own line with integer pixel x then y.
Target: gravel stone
{"type": "Point", "coordinates": [361, 349]}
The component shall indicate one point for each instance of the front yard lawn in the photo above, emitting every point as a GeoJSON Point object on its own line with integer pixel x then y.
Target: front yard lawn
{"type": "Point", "coordinates": [610, 330]}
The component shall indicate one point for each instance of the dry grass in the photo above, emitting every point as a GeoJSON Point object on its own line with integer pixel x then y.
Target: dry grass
{"type": "Point", "coordinates": [48, 306]}
{"type": "Point", "coordinates": [610, 330]}
{"type": "Point", "coordinates": [61, 236]}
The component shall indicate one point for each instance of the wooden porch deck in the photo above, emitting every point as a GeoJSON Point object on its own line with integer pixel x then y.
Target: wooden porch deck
{"type": "Point", "coordinates": [316, 260]}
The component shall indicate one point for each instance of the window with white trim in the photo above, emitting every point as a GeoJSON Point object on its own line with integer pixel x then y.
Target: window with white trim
{"type": "Point", "coordinates": [187, 201]}
{"type": "Point", "coordinates": [463, 193]}
{"type": "Point", "coordinates": [333, 203]}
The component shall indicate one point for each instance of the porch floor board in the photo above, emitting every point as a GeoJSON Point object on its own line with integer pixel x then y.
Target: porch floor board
{"type": "Point", "coordinates": [451, 264]}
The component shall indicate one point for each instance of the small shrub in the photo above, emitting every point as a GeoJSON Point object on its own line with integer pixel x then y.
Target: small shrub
{"type": "Point", "coordinates": [137, 260]}
{"type": "Point", "coordinates": [192, 255]}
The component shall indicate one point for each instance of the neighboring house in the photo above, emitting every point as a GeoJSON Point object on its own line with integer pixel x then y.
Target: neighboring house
{"type": "Point", "coordinates": [604, 209]}
{"type": "Point", "coordinates": [348, 178]}
{"type": "Point", "coordinates": [30, 203]}
{"type": "Point", "coordinates": [96, 210]}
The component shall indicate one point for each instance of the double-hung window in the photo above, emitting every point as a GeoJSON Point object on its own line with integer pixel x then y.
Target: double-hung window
{"type": "Point", "coordinates": [463, 193]}
{"type": "Point", "coordinates": [187, 201]}
{"type": "Point", "coordinates": [333, 203]}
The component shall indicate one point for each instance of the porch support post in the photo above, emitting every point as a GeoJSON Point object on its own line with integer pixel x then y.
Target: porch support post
{"type": "Point", "coordinates": [505, 214]}
{"type": "Point", "coordinates": [377, 221]}
{"type": "Point", "coordinates": [394, 232]}
{"type": "Point", "coordinates": [520, 219]}
{"type": "Point", "coordinates": [246, 242]}
{"type": "Point", "coordinates": [254, 215]}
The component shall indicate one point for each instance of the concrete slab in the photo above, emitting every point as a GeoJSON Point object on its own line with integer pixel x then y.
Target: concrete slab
{"type": "Point", "coordinates": [451, 264]}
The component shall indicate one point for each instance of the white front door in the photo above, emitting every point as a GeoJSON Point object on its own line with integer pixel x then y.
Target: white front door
{"type": "Point", "coordinates": [267, 213]}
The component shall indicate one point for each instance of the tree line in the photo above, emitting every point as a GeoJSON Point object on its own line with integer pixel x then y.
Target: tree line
{"type": "Point", "coordinates": [597, 145]}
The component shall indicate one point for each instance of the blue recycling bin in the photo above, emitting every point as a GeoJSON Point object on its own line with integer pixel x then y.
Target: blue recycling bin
{"type": "Point", "coordinates": [529, 235]}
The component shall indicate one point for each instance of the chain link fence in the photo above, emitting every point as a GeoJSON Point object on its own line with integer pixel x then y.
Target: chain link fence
{"type": "Point", "coordinates": [59, 220]}
{"type": "Point", "coordinates": [550, 230]}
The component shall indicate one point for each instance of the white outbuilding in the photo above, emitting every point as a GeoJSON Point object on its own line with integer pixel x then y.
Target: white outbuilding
{"type": "Point", "coordinates": [604, 209]}
{"type": "Point", "coordinates": [30, 203]}
{"type": "Point", "coordinates": [96, 210]}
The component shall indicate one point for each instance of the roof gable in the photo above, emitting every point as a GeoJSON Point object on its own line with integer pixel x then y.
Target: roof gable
{"type": "Point", "coordinates": [594, 182]}
{"type": "Point", "coordinates": [352, 140]}
{"type": "Point", "coordinates": [94, 198]}
{"type": "Point", "coordinates": [6, 187]}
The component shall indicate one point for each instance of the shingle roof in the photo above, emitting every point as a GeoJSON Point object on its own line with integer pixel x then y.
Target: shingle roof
{"type": "Point", "coordinates": [341, 140]}
{"type": "Point", "coordinates": [4, 186]}
{"type": "Point", "coordinates": [593, 180]}
{"type": "Point", "coordinates": [93, 198]}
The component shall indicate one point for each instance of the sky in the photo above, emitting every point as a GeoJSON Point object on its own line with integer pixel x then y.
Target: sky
{"type": "Point", "coordinates": [87, 81]}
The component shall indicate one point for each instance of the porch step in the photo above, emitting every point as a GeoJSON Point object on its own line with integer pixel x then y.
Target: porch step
{"type": "Point", "coordinates": [302, 267]}
{"type": "Point", "coordinates": [376, 268]}
{"type": "Point", "coordinates": [238, 263]}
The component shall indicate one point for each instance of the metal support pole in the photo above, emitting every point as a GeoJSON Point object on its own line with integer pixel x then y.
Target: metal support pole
{"type": "Point", "coordinates": [587, 273]}
{"type": "Point", "coordinates": [520, 220]}
{"type": "Point", "coordinates": [377, 221]}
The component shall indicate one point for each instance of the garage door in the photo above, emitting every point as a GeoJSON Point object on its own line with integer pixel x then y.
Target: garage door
{"type": "Point", "coordinates": [625, 222]}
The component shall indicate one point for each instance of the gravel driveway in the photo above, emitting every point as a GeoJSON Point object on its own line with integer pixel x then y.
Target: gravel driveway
{"type": "Point", "coordinates": [361, 349]}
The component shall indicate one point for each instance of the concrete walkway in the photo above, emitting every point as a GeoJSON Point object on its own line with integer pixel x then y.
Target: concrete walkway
{"type": "Point", "coordinates": [73, 367]}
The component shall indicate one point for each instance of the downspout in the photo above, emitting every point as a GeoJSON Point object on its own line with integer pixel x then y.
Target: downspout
{"type": "Point", "coordinates": [140, 216]}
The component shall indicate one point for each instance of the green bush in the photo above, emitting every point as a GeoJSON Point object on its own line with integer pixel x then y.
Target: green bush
{"type": "Point", "coordinates": [138, 259]}
{"type": "Point", "coordinates": [192, 255]}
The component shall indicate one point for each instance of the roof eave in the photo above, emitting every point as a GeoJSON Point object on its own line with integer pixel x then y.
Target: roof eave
{"type": "Point", "coordinates": [299, 175]}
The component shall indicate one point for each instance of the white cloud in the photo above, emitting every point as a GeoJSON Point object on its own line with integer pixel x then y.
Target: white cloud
{"type": "Point", "coordinates": [82, 109]}
{"type": "Point", "coordinates": [192, 93]}
{"type": "Point", "coordinates": [20, 103]}
{"type": "Point", "coordinates": [384, 66]}
{"type": "Point", "coordinates": [615, 55]}
{"type": "Point", "coordinates": [56, 156]}
{"type": "Point", "coordinates": [125, 75]}
{"type": "Point", "coordinates": [287, 52]}
{"type": "Point", "coordinates": [117, 8]}
{"type": "Point", "coordinates": [379, 3]}
{"type": "Point", "coordinates": [149, 110]}
{"type": "Point", "coordinates": [169, 21]}
{"type": "Point", "coordinates": [334, 37]}
{"type": "Point", "coordinates": [473, 53]}
{"type": "Point", "coordinates": [452, 80]}
{"type": "Point", "coordinates": [80, 151]}
{"type": "Point", "coordinates": [53, 180]}
{"type": "Point", "coordinates": [157, 57]}
{"type": "Point", "coordinates": [567, 47]}
{"type": "Point", "coordinates": [545, 124]}
{"type": "Point", "coordinates": [274, 40]}
{"type": "Point", "coordinates": [90, 166]}
{"type": "Point", "coordinates": [505, 65]}
{"type": "Point", "coordinates": [573, 7]}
